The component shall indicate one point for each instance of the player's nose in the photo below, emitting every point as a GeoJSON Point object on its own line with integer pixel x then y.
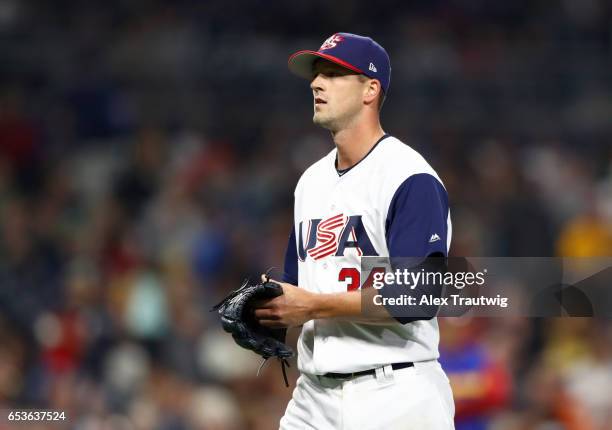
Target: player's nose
{"type": "Point", "coordinates": [317, 83]}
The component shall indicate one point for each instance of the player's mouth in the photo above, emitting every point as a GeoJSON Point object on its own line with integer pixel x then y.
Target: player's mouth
{"type": "Point", "coordinates": [319, 101]}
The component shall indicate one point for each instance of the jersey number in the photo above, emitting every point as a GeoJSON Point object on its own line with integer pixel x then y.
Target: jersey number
{"type": "Point", "coordinates": [355, 277]}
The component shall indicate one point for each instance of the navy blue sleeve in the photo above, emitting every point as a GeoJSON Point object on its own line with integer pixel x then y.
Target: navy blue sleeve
{"type": "Point", "coordinates": [290, 271]}
{"type": "Point", "coordinates": [416, 226]}
{"type": "Point", "coordinates": [416, 223]}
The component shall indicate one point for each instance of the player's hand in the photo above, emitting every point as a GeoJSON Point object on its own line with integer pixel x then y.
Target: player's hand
{"type": "Point", "coordinates": [293, 308]}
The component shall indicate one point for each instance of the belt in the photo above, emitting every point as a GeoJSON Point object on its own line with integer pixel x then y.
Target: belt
{"type": "Point", "coordinates": [394, 366]}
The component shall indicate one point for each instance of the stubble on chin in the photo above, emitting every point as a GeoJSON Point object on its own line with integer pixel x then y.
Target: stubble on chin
{"type": "Point", "coordinates": [323, 122]}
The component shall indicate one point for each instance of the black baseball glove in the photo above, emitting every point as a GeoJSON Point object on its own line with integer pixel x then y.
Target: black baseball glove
{"type": "Point", "coordinates": [237, 318]}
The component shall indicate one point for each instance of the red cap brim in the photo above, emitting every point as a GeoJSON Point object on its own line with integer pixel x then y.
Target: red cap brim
{"type": "Point", "coordinates": [301, 63]}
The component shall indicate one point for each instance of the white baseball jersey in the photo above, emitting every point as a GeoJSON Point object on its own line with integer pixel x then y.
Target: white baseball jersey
{"type": "Point", "coordinates": [392, 203]}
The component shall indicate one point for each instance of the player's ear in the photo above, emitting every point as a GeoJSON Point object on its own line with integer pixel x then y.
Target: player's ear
{"type": "Point", "coordinates": [372, 90]}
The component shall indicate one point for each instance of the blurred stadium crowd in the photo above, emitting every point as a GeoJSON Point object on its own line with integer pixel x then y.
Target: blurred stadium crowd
{"type": "Point", "coordinates": [148, 154]}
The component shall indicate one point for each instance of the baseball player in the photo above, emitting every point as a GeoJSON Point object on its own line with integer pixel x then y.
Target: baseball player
{"type": "Point", "coordinates": [372, 195]}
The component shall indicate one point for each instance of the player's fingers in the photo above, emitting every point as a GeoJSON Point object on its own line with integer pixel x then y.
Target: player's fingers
{"type": "Point", "coordinates": [266, 314]}
{"type": "Point", "coordinates": [263, 304]}
{"type": "Point", "coordinates": [272, 323]}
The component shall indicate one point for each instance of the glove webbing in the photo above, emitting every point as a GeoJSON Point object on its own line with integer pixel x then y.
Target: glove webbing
{"type": "Point", "coordinates": [284, 364]}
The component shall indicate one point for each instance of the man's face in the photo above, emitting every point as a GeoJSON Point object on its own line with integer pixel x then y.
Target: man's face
{"type": "Point", "coordinates": [337, 93]}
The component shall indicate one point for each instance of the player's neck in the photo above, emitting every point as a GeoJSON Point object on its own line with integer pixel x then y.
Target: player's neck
{"type": "Point", "coordinates": [353, 143]}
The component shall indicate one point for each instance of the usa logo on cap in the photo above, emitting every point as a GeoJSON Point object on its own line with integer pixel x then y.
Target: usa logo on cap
{"type": "Point", "coordinates": [331, 42]}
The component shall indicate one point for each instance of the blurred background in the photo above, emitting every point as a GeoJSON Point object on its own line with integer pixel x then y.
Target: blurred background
{"type": "Point", "coordinates": [148, 155]}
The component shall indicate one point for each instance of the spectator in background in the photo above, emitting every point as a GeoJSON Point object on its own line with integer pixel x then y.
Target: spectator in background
{"type": "Point", "coordinates": [481, 384]}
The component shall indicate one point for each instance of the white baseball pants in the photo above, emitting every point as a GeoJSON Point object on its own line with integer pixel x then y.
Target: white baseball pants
{"type": "Point", "coordinates": [414, 398]}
